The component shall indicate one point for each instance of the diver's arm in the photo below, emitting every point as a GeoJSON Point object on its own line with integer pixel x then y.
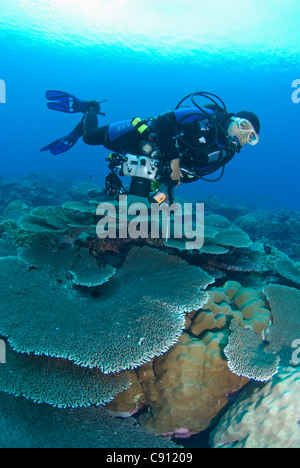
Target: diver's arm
{"type": "Point", "coordinates": [166, 129]}
{"type": "Point", "coordinates": [164, 126]}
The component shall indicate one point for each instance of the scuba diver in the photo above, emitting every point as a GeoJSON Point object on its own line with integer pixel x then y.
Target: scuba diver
{"type": "Point", "coordinates": [182, 145]}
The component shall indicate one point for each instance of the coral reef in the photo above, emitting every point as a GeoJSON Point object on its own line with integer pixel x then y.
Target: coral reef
{"type": "Point", "coordinates": [220, 208]}
{"type": "Point", "coordinates": [163, 333]}
{"type": "Point", "coordinates": [7, 246]}
{"type": "Point", "coordinates": [42, 189]}
{"type": "Point", "coordinates": [281, 229]}
{"type": "Point", "coordinates": [219, 237]}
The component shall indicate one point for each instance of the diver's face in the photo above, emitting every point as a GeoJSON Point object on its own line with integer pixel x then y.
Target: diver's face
{"type": "Point", "coordinates": [244, 131]}
{"type": "Point", "coordinates": [234, 131]}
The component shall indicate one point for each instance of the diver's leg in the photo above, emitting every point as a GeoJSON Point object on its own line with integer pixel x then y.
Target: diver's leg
{"type": "Point", "coordinates": [92, 135]}
{"type": "Point", "coordinates": [95, 136]}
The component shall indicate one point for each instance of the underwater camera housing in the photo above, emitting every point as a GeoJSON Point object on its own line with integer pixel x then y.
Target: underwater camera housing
{"type": "Point", "coordinates": [142, 170]}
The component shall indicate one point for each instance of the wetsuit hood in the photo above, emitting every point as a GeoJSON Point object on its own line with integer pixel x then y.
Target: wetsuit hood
{"type": "Point", "coordinates": [251, 117]}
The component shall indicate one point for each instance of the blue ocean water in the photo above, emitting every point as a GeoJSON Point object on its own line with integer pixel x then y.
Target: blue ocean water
{"type": "Point", "coordinates": [144, 59]}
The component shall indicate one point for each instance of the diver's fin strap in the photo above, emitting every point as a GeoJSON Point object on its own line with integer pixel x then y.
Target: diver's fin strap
{"type": "Point", "coordinates": [139, 125]}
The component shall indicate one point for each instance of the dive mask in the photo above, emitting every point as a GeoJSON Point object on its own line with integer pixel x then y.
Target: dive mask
{"type": "Point", "coordinates": [246, 129]}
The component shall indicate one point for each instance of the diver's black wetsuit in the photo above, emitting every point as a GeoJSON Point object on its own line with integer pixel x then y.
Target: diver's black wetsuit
{"type": "Point", "coordinates": [202, 148]}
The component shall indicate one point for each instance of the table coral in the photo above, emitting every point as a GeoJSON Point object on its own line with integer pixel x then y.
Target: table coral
{"type": "Point", "coordinates": [25, 424]}
{"type": "Point", "coordinates": [285, 307]}
{"type": "Point", "coordinates": [58, 382]}
{"type": "Point", "coordinates": [86, 272]}
{"type": "Point", "coordinates": [288, 269]}
{"type": "Point", "coordinates": [139, 314]}
{"type": "Point", "coordinates": [246, 354]}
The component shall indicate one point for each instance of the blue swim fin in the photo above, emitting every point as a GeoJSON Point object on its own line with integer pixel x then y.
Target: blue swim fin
{"type": "Point", "coordinates": [65, 102]}
{"type": "Point", "coordinates": [63, 144]}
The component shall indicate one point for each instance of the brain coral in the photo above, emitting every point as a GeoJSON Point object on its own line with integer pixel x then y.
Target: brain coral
{"type": "Point", "coordinates": [46, 317]}
{"type": "Point", "coordinates": [263, 416]}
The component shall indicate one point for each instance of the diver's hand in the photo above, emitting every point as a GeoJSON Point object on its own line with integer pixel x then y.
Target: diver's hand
{"type": "Point", "coordinates": [176, 173]}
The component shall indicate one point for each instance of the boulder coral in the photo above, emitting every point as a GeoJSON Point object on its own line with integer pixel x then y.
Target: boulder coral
{"type": "Point", "coordinates": [263, 416]}
{"type": "Point", "coordinates": [190, 385]}
{"type": "Point", "coordinates": [246, 305]}
{"type": "Point", "coordinates": [184, 389]}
